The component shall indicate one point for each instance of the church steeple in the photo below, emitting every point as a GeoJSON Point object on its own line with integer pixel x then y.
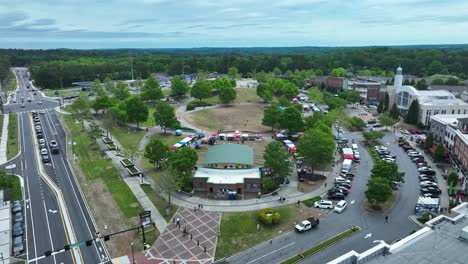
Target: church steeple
{"type": "Point", "coordinates": [398, 78]}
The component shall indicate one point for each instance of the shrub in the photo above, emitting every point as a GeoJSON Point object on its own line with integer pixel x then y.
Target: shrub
{"type": "Point", "coordinates": [265, 216]}
{"type": "Point", "coordinates": [194, 104]}
{"type": "Point", "coordinates": [268, 185]}
{"type": "Point", "coordinates": [276, 218]}
{"type": "Point", "coordinates": [426, 216]}
{"type": "Point", "coordinates": [310, 202]}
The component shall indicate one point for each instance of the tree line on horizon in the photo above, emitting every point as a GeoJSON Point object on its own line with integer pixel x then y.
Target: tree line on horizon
{"type": "Point", "coordinates": [55, 68]}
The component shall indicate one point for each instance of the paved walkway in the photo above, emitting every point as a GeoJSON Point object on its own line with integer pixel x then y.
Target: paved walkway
{"type": "Point", "coordinates": [4, 139]}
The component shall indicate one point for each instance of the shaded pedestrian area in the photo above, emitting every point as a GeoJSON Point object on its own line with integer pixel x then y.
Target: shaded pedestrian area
{"type": "Point", "coordinates": [191, 239]}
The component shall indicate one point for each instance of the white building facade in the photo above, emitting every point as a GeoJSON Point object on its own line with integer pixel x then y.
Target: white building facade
{"type": "Point", "coordinates": [430, 102]}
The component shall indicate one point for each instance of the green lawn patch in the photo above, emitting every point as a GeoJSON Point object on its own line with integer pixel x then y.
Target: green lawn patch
{"type": "Point", "coordinates": [321, 245]}
{"type": "Point", "coordinates": [150, 121]}
{"type": "Point", "coordinates": [244, 95]}
{"type": "Point", "coordinates": [310, 202]}
{"type": "Point", "coordinates": [94, 167]}
{"type": "Point", "coordinates": [239, 230]}
{"type": "Point", "coordinates": [12, 143]}
{"type": "Point", "coordinates": [1, 123]}
{"type": "Point", "coordinates": [160, 203]}
{"type": "Point", "coordinates": [126, 136]}
{"type": "Point", "coordinates": [11, 187]}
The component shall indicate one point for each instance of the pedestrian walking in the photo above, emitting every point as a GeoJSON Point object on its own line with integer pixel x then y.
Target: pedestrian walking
{"type": "Point", "coordinates": [271, 242]}
{"type": "Point", "coordinates": [298, 202]}
{"type": "Point", "coordinates": [325, 185]}
{"type": "Point", "coordinates": [386, 219]}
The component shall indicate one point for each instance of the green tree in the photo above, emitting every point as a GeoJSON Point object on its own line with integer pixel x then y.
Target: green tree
{"type": "Point", "coordinates": [102, 102]}
{"type": "Point", "coordinates": [421, 85]}
{"type": "Point", "coordinates": [271, 116]}
{"type": "Point", "coordinates": [386, 120]}
{"type": "Point", "coordinates": [233, 73]}
{"type": "Point", "coordinates": [452, 179]}
{"type": "Point", "coordinates": [437, 81]}
{"type": "Point", "coordinates": [429, 141]}
{"type": "Point", "coordinates": [94, 132]}
{"type": "Point", "coordinates": [316, 95]}
{"type": "Point", "coordinates": [277, 159]}
{"type": "Point", "coordinates": [452, 81]}
{"type": "Point", "coordinates": [435, 67]}
{"type": "Point", "coordinates": [119, 112]}
{"type": "Point", "coordinates": [317, 148]}
{"type": "Point", "coordinates": [109, 85]}
{"type": "Point", "coordinates": [164, 116]}
{"type": "Point", "coordinates": [121, 91]}
{"type": "Point", "coordinates": [181, 162]}
{"type": "Point", "coordinates": [373, 136]}
{"type": "Point", "coordinates": [357, 122]}
{"type": "Point", "coordinates": [277, 71]}
{"type": "Point", "coordinates": [291, 119]}
{"type": "Point", "coordinates": [353, 97]}
{"type": "Point", "coordinates": [386, 101]}
{"type": "Point", "coordinates": [380, 108]}
{"type": "Point", "coordinates": [379, 190]}
{"type": "Point", "coordinates": [156, 152]}
{"type": "Point", "coordinates": [137, 111]}
{"type": "Point", "coordinates": [265, 91]}
{"type": "Point", "coordinates": [98, 88]}
{"type": "Point", "coordinates": [439, 153]}
{"type": "Point", "coordinates": [151, 91]}
{"type": "Point", "coordinates": [335, 102]}
{"type": "Point", "coordinates": [413, 113]}
{"type": "Point", "coordinates": [201, 90]}
{"type": "Point", "coordinates": [169, 184]}
{"type": "Point", "coordinates": [179, 87]}
{"type": "Point", "coordinates": [227, 94]}
{"type": "Point", "coordinates": [388, 171]}
{"type": "Point", "coordinates": [81, 109]}
{"type": "Point", "coordinates": [394, 112]}
{"type": "Point", "coordinates": [338, 72]}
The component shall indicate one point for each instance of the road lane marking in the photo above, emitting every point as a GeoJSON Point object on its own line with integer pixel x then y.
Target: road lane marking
{"type": "Point", "coordinates": [52, 211]}
{"type": "Point", "coordinates": [32, 225]}
{"type": "Point", "coordinates": [48, 229]}
{"type": "Point", "coordinates": [281, 248]}
{"type": "Point", "coordinates": [368, 235]}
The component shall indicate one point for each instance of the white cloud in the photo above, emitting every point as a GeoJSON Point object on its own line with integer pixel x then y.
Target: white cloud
{"type": "Point", "coordinates": [229, 10]}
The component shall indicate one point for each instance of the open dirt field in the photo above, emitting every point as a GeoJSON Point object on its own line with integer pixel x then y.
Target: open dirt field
{"type": "Point", "coordinates": [235, 117]}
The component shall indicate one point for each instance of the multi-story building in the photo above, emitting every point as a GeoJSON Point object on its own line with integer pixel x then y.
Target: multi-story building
{"type": "Point", "coordinates": [331, 82]}
{"type": "Point", "coordinates": [443, 128]}
{"type": "Point", "coordinates": [430, 102]}
{"type": "Point", "coordinates": [460, 146]}
{"type": "Point", "coordinates": [370, 90]}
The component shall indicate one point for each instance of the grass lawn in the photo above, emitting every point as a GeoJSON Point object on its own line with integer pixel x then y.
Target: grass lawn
{"type": "Point", "coordinates": [1, 123]}
{"type": "Point", "coordinates": [51, 93]}
{"type": "Point", "coordinates": [243, 95]}
{"type": "Point", "coordinates": [94, 167]}
{"type": "Point", "coordinates": [150, 121]}
{"type": "Point", "coordinates": [239, 230]}
{"type": "Point", "coordinates": [160, 203]}
{"type": "Point", "coordinates": [127, 136]}
{"type": "Point", "coordinates": [12, 193]}
{"type": "Point", "coordinates": [12, 143]}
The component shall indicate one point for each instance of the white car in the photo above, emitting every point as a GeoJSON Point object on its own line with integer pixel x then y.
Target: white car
{"type": "Point", "coordinates": [428, 183]}
{"type": "Point", "coordinates": [389, 160]}
{"type": "Point", "coordinates": [341, 179]}
{"type": "Point", "coordinates": [324, 204]}
{"type": "Point", "coordinates": [44, 151]}
{"type": "Point", "coordinates": [382, 148]}
{"type": "Point", "coordinates": [423, 169]}
{"type": "Point", "coordinates": [340, 206]}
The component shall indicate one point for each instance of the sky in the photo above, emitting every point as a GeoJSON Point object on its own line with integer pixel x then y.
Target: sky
{"type": "Point", "coordinates": [97, 24]}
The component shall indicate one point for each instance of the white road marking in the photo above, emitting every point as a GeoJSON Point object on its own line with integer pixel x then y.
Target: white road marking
{"type": "Point", "coordinates": [288, 245]}
{"type": "Point", "coordinates": [52, 211]}
{"type": "Point", "coordinates": [48, 229]}
{"type": "Point", "coordinates": [368, 235]}
{"type": "Point", "coordinates": [352, 201]}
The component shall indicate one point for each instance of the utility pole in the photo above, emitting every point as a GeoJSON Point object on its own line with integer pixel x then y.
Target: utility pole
{"type": "Point", "coordinates": [131, 62]}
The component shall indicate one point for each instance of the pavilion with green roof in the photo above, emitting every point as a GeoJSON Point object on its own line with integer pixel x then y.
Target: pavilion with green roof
{"type": "Point", "coordinates": [228, 167]}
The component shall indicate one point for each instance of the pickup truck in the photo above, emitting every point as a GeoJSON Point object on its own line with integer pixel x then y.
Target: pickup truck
{"type": "Point", "coordinates": [307, 224]}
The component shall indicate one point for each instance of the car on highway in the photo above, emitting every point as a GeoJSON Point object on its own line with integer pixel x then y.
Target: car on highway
{"type": "Point", "coordinates": [44, 151]}
{"type": "Point", "coordinates": [40, 135]}
{"type": "Point", "coordinates": [307, 224]}
{"type": "Point", "coordinates": [340, 206]}
{"type": "Point", "coordinates": [323, 204]}
{"type": "Point", "coordinates": [16, 207]}
{"type": "Point", "coordinates": [42, 143]}
{"type": "Point", "coordinates": [18, 246]}
{"type": "Point", "coordinates": [45, 158]}
{"type": "Point", "coordinates": [54, 147]}
{"type": "Point", "coordinates": [18, 229]}
{"type": "Point", "coordinates": [41, 112]}
{"type": "Point", "coordinates": [38, 128]}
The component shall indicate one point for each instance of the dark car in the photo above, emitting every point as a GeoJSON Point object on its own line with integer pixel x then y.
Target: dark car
{"type": "Point", "coordinates": [337, 189]}
{"type": "Point", "coordinates": [388, 156]}
{"type": "Point", "coordinates": [432, 195]}
{"type": "Point", "coordinates": [383, 152]}
{"type": "Point", "coordinates": [18, 229]}
{"type": "Point", "coordinates": [18, 217]}
{"type": "Point", "coordinates": [349, 176]}
{"type": "Point", "coordinates": [431, 190]}
{"type": "Point", "coordinates": [343, 189]}
{"type": "Point", "coordinates": [427, 178]}
{"type": "Point", "coordinates": [45, 158]}
{"type": "Point", "coordinates": [54, 146]}
{"type": "Point", "coordinates": [344, 184]}
{"type": "Point", "coordinates": [428, 172]}
{"type": "Point", "coordinates": [17, 207]}
{"type": "Point", "coordinates": [336, 196]}
{"type": "Point", "coordinates": [40, 135]}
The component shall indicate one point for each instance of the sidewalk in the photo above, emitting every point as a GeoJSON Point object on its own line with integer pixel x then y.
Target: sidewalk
{"type": "Point", "coordinates": [4, 139]}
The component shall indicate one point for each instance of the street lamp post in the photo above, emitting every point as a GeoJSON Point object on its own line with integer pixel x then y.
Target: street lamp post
{"type": "Point", "coordinates": [133, 254]}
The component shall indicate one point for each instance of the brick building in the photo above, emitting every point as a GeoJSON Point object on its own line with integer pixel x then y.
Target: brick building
{"type": "Point", "coordinates": [460, 146]}
{"type": "Point", "coordinates": [228, 167]}
{"type": "Point", "coordinates": [331, 82]}
{"type": "Point", "coordinates": [369, 90]}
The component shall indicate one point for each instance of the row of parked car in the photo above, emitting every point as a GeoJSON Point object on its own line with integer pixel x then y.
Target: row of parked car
{"type": "Point", "coordinates": [384, 154]}
{"type": "Point", "coordinates": [18, 220]}
{"type": "Point", "coordinates": [427, 176]}
{"type": "Point", "coordinates": [54, 148]}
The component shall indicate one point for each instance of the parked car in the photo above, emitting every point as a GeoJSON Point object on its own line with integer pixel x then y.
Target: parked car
{"type": "Point", "coordinates": [307, 224]}
{"type": "Point", "coordinates": [336, 196]}
{"type": "Point", "coordinates": [432, 189]}
{"type": "Point", "coordinates": [18, 217]}
{"type": "Point", "coordinates": [427, 178]}
{"type": "Point", "coordinates": [17, 207]}
{"type": "Point", "coordinates": [44, 151]}
{"type": "Point", "coordinates": [421, 165]}
{"type": "Point", "coordinates": [45, 158]}
{"type": "Point", "coordinates": [18, 229]}
{"type": "Point", "coordinates": [324, 204]}
{"type": "Point", "coordinates": [427, 171]}
{"type": "Point", "coordinates": [424, 168]}
{"type": "Point", "coordinates": [340, 206]}
{"type": "Point", "coordinates": [341, 179]}
{"type": "Point", "coordinates": [343, 189]}
{"type": "Point", "coordinates": [345, 184]}
{"type": "Point", "coordinates": [388, 157]}
{"type": "Point", "coordinates": [389, 160]}
{"type": "Point", "coordinates": [42, 143]}
{"type": "Point", "coordinates": [18, 246]}
{"type": "Point", "coordinates": [428, 183]}
{"type": "Point", "coordinates": [431, 195]}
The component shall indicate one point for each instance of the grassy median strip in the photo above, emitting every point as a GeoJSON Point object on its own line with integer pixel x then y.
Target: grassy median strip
{"type": "Point", "coordinates": [160, 203]}
{"type": "Point", "coordinates": [12, 144]}
{"type": "Point", "coordinates": [322, 245]}
{"type": "Point", "coordinates": [93, 167]}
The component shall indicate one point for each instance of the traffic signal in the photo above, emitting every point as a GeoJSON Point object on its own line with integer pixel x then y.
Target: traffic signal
{"type": "Point", "coordinates": [106, 238]}
{"type": "Point", "coordinates": [66, 247]}
{"type": "Point", "coordinates": [47, 253]}
{"type": "Point", "coordinates": [89, 243]}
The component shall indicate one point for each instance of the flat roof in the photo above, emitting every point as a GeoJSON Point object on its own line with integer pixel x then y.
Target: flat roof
{"type": "Point", "coordinates": [448, 119]}
{"type": "Point", "coordinates": [230, 154]}
{"type": "Point", "coordinates": [227, 176]}
{"type": "Point", "coordinates": [5, 232]}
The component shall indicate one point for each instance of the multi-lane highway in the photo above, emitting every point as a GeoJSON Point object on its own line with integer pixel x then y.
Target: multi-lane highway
{"type": "Point", "coordinates": [56, 212]}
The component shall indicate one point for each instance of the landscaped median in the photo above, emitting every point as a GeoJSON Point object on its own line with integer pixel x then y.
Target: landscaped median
{"type": "Point", "coordinates": [322, 245]}
{"type": "Point", "coordinates": [12, 143]}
